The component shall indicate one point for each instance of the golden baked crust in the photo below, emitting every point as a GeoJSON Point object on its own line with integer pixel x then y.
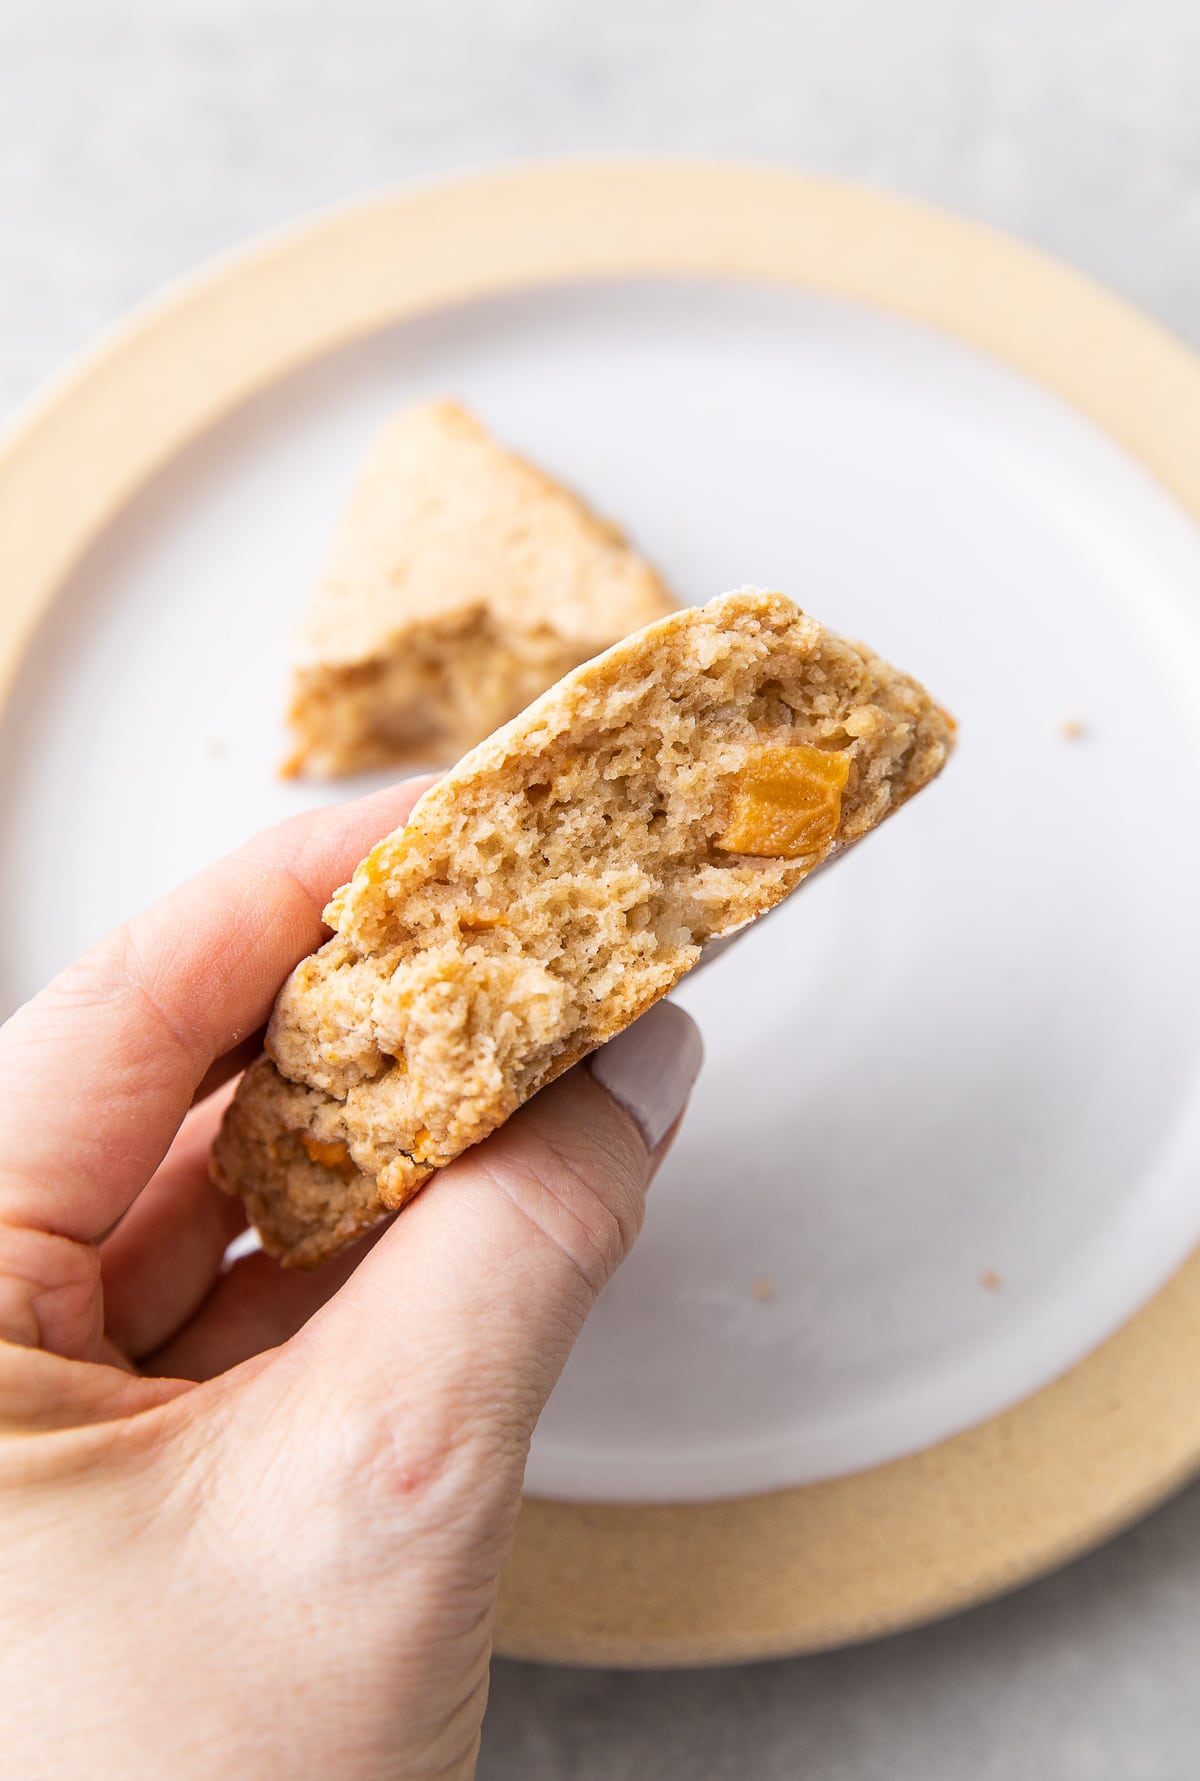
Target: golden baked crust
{"type": "Point", "coordinates": [462, 582]}
{"type": "Point", "coordinates": [554, 885]}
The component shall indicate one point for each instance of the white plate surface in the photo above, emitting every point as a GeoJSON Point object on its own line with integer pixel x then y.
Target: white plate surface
{"type": "Point", "coordinates": [948, 1135]}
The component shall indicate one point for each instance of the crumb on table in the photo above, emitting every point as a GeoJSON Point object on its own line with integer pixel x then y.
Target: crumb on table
{"type": "Point", "coordinates": [1072, 729]}
{"type": "Point", "coordinates": [991, 1280]}
{"type": "Point", "coordinates": [763, 1290]}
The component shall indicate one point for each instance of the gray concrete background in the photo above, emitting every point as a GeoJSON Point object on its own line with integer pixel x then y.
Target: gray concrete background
{"type": "Point", "coordinates": [139, 136]}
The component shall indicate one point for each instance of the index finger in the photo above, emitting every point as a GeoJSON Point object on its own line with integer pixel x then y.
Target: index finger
{"type": "Point", "coordinates": [100, 1068]}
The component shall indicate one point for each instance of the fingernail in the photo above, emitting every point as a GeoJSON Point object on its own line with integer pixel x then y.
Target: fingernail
{"type": "Point", "coordinates": [650, 1069]}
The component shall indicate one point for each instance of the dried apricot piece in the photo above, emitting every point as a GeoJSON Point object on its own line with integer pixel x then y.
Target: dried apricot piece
{"type": "Point", "coordinates": [786, 802]}
{"type": "Point", "coordinates": [333, 1156]}
{"type": "Point", "coordinates": [478, 921]}
{"type": "Point", "coordinates": [422, 1142]}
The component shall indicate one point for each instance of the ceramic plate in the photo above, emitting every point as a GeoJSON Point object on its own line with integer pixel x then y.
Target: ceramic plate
{"type": "Point", "coordinates": [947, 1139]}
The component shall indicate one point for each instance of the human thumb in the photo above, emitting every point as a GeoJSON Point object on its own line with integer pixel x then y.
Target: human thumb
{"type": "Point", "coordinates": [455, 1327]}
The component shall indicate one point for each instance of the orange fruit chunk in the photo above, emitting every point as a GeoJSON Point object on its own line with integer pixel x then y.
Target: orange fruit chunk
{"type": "Point", "coordinates": [787, 802]}
{"type": "Point", "coordinates": [333, 1156]}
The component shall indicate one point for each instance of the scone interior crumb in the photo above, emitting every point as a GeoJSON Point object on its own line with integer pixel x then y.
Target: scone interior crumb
{"type": "Point", "coordinates": [427, 696]}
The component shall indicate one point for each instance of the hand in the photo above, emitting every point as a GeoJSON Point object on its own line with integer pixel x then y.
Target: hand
{"type": "Point", "coordinates": [252, 1522]}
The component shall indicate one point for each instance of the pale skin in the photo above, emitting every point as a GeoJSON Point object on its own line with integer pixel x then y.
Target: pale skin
{"type": "Point", "coordinates": [253, 1522]}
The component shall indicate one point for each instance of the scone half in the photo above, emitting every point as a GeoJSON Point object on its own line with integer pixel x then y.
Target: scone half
{"type": "Point", "coordinates": [555, 884]}
{"type": "Point", "coordinates": [461, 583]}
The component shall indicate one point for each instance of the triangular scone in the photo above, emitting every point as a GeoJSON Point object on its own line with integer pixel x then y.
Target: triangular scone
{"type": "Point", "coordinates": [552, 886]}
{"type": "Point", "coordinates": [462, 583]}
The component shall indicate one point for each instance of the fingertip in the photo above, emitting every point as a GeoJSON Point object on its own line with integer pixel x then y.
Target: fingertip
{"type": "Point", "coordinates": [651, 1068]}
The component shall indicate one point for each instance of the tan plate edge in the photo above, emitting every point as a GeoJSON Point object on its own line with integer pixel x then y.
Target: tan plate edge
{"type": "Point", "coordinates": [826, 1564]}
{"type": "Point", "coordinates": [829, 1564]}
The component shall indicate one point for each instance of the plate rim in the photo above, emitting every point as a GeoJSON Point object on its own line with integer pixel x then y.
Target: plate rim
{"type": "Point", "coordinates": [822, 1564]}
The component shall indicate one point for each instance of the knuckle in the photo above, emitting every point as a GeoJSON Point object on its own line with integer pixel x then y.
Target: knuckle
{"type": "Point", "coordinates": [584, 1202]}
{"type": "Point", "coordinates": [111, 981]}
{"type": "Point", "coordinates": [49, 1291]}
{"type": "Point", "coordinates": [95, 980]}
